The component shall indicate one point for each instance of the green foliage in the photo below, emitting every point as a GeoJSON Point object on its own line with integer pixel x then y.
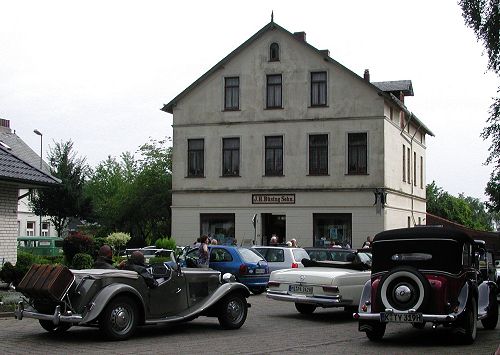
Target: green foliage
{"type": "Point", "coordinates": [118, 240]}
{"type": "Point", "coordinates": [10, 273]}
{"type": "Point", "coordinates": [493, 192]}
{"type": "Point", "coordinates": [166, 243]}
{"type": "Point", "coordinates": [467, 211]}
{"type": "Point", "coordinates": [82, 261]}
{"type": "Point", "coordinates": [65, 200]}
{"type": "Point", "coordinates": [134, 195]}
{"type": "Point", "coordinates": [159, 260]}
{"type": "Point", "coordinates": [98, 243]}
{"type": "Point", "coordinates": [15, 273]}
{"type": "Point", "coordinates": [77, 243]}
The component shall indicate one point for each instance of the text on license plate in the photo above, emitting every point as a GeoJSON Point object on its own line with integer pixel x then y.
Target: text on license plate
{"type": "Point", "coordinates": [301, 289]}
{"type": "Point", "coordinates": [260, 271]}
{"type": "Point", "coordinates": [401, 317]}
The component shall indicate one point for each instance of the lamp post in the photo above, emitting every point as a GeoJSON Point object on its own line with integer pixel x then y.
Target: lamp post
{"type": "Point", "coordinates": [38, 133]}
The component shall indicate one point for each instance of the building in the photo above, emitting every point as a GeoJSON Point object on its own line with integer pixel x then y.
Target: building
{"type": "Point", "coordinates": [279, 138]}
{"type": "Point", "coordinates": [16, 174]}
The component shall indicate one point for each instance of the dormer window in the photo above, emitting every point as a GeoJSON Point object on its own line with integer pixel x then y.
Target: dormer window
{"type": "Point", "coordinates": [274, 52]}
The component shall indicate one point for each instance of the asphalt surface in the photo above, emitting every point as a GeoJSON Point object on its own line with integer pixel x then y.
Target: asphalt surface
{"type": "Point", "coordinates": [272, 327]}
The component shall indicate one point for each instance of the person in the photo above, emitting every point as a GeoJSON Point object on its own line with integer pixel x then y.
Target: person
{"type": "Point", "coordinates": [288, 244]}
{"type": "Point", "coordinates": [213, 241]}
{"type": "Point", "coordinates": [367, 243]}
{"type": "Point", "coordinates": [104, 258]}
{"type": "Point", "coordinates": [294, 243]}
{"type": "Point", "coordinates": [274, 240]}
{"type": "Point", "coordinates": [203, 252]}
{"type": "Point", "coordinates": [136, 263]}
{"type": "Point", "coordinates": [234, 242]}
{"type": "Point", "coordinates": [335, 245]}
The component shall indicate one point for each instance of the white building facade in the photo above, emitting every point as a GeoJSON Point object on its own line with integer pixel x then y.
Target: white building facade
{"type": "Point", "coordinates": [279, 138]}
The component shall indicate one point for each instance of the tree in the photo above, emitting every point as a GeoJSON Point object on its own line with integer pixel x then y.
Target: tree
{"type": "Point", "coordinates": [484, 18]}
{"type": "Point", "coordinates": [65, 200]}
{"type": "Point", "coordinates": [467, 211]}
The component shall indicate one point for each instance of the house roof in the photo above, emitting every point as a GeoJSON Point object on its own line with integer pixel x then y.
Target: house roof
{"type": "Point", "coordinates": [14, 169]}
{"type": "Point", "coordinates": [324, 53]}
{"type": "Point", "coordinates": [396, 86]}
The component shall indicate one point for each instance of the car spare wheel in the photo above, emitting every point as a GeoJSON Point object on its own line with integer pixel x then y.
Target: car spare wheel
{"type": "Point", "coordinates": [404, 288]}
{"type": "Point", "coordinates": [305, 308]}
{"type": "Point", "coordinates": [119, 319]}
{"type": "Point", "coordinates": [233, 310]}
{"type": "Point", "coordinates": [51, 327]}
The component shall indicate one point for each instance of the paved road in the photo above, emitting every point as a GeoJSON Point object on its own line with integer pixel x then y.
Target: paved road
{"type": "Point", "coordinates": [272, 327]}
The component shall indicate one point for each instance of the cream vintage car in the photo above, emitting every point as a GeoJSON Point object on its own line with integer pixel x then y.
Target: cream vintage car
{"type": "Point", "coordinates": [323, 283]}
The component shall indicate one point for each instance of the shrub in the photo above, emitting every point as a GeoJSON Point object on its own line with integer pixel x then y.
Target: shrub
{"type": "Point", "coordinates": [98, 243]}
{"type": "Point", "coordinates": [158, 260]}
{"type": "Point", "coordinates": [118, 240]}
{"type": "Point", "coordinates": [166, 243]}
{"type": "Point", "coordinates": [76, 243]}
{"type": "Point", "coordinates": [10, 273]}
{"type": "Point", "coordinates": [82, 261]}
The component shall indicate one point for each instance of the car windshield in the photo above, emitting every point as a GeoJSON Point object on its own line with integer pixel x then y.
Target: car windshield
{"type": "Point", "coordinates": [299, 254]}
{"type": "Point", "coordinates": [249, 256]}
{"type": "Point", "coordinates": [365, 258]}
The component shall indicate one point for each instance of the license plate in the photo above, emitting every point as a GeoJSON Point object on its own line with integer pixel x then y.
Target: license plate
{"type": "Point", "coordinates": [301, 289]}
{"type": "Point", "coordinates": [260, 271]}
{"type": "Point", "coordinates": [401, 317]}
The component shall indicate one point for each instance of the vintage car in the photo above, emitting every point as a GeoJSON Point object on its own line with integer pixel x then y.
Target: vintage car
{"type": "Point", "coordinates": [322, 283]}
{"type": "Point", "coordinates": [426, 274]}
{"type": "Point", "coordinates": [117, 301]}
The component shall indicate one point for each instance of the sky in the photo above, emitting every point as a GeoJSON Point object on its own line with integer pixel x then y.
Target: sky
{"type": "Point", "coordinates": [98, 72]}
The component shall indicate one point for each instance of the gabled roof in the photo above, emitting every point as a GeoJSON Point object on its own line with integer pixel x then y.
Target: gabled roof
{"type": "Point", "coordinates": [20, 149]}
{"type": "Point", "coordinates": [16, 170]}
{"type": "Point", "coordinates": [324, 53]}
{"type": "Point", "coordinates": [397, 86]}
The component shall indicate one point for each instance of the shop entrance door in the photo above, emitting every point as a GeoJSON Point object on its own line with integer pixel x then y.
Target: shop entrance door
{"type": "Point", "coordinates": [273, 224]}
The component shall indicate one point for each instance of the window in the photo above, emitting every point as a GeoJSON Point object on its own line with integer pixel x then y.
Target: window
{"type": "Point", "coordinates": [318, 154]}
{"type": "Point", "coordinates": [219, 226]}
{"type": "Point", "coordinates": [332, 227]}
{"type": "Point", "coordinates": [404, 163]}
{"type": "Point", "coordinates": [318, 89]}
{"type": "Point", "coordinates": [232, 93]}
{"type": "Point", "coordinates": [274, 52]}
{"type": "Point", "coordinates": [357, 153]}
{"type": "Point", "coordinates": [195, 157]}
{"type": "Point", "coordinates": [408, 166]}
{"type": "Point", "coordinates": [421, 172]}
{"type": "Point", "coordinates": [274, 156]}
{"type": "Point", "coordinates": [45, 229]}
{"type": "Point", "coordinates": [220, 255]}
{"type": "Point", "coordinates": [230, 156]}
{"type": "Point", "coordinates": [30, 229]}
{"type": "Point", "coordinates": [414, 169]}
{"type": "Point", "coordinates": [273, 91]}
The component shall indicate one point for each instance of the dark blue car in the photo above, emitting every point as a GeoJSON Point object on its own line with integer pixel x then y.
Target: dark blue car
{"type": "Point", "coordinates": [247, 265]}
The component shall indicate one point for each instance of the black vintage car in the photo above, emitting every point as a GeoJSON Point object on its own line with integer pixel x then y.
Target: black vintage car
{"type": "Point", "coordinates": [119, 300]}
{"type": "Point", "coordinates": [427, 274]}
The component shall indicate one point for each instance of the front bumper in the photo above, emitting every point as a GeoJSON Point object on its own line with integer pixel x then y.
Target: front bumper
{"type": "Point", "coordinates": [327, 301]}
{"type": "Point", "coordinates": [56, 318]}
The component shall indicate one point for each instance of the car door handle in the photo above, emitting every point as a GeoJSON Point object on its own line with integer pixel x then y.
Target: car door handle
{"type": "Point", "coordinates": [178, 290]}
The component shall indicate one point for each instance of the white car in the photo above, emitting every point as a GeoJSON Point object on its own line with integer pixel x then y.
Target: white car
{"type": "Point", "coordinates": [282, 257]}
{"type": "Point", "coordinates": [322, 283]}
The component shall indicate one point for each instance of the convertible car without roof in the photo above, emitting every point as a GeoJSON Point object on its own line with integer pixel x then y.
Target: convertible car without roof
{"type": "Point", "coordinates": [117, 301]}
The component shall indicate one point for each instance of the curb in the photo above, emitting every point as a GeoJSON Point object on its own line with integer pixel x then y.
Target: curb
{"type": "Point", "coordinates": [6, 314]}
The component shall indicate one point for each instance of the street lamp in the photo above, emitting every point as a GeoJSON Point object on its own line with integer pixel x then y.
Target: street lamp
{"type": "Point", "coordinates": [38, 133]}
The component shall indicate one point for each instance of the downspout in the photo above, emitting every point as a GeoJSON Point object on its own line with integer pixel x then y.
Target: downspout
{"type": "Point", "coordinates": [414, 173]}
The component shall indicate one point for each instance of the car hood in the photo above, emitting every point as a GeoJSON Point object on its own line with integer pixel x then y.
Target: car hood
{"type": "Point", "coordinates": [316, 275]}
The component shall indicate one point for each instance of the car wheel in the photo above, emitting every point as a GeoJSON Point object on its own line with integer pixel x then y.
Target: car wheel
{"type": "Point", "coordinates": [469, 323]}
{"type": "Point", "coordinates": [377, 332]}
{"type": "Point", "coordinates": [402, 289]}
{"type": "Point", "coordinates": [491, 320]}
{"type": "Point", "coordinates": [119, 319]}
{"type": "Point", "coordinates": [52, 328]}
{"type": "Point", "coordinates": [233, 311]}
{"type": "Point", "coordinates": [304, 308]}
{"type": "Point", "coordinates": [257, 290]}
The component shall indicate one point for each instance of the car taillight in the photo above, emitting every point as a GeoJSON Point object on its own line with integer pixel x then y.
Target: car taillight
{"type": "Point", "coordinates": [331, 289]}
{"type": "Point", "coordinates": [295, 265]}
{"type": "Point", "coordinates": [243, 269]}
{"type": "Point", "coordinates": [273, 284]}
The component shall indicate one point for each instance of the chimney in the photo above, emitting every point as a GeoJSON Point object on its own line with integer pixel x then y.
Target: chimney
{"type": "Point", "coordinates": [5, 125]}
{"type": "Point", "coordinates": [301, 36]}
{"type": "Point", "coordinates": [366, 75]}
{"type": "Point", "coordinates": [325, 52]}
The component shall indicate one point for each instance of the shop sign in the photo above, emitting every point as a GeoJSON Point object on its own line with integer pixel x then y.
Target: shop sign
{"type": "Point", "coordinates": [279, 199]}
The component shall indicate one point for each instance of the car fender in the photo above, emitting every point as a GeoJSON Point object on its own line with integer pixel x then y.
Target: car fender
{"type": "Point", "coordinates": [366, 296]}
{"type": "Point", "coordinates": [463, 297]}
{"type": "Point", "coordinates": [485, 289]}
{"type": "Point", "coordinates": [105, 295]}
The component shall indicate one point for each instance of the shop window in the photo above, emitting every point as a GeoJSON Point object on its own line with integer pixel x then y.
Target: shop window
{"type": "Point", "coordinates": [330, 228]}
{"type": "Point", "coordinates": [357, 153]}
{"type": "Point", "coordinates": [195, 157]}
{"type": "Point", "coordinates": [219, 226]}
{"type": "Point", "coordinates": [232, 93]}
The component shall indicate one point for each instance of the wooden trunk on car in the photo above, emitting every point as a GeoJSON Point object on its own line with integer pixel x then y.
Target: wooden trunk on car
{"type": "Point", "coordinates": [46, 281]}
